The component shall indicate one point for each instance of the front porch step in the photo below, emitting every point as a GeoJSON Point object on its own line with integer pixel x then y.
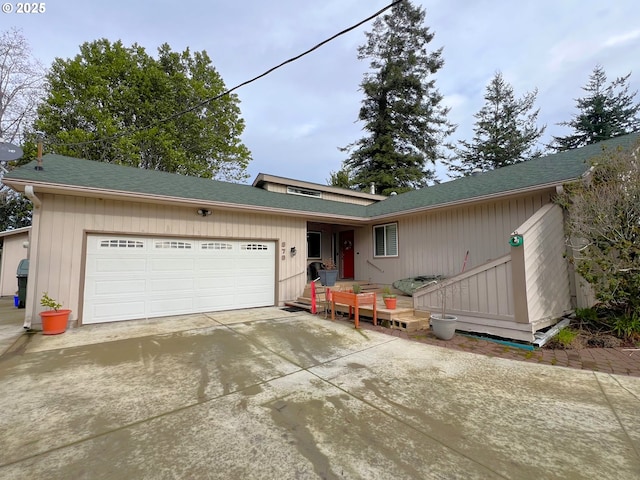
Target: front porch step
{"type": "Point", "coordinates": [409, 324]}
{"type": "Point", "coordinates": [301, 305]}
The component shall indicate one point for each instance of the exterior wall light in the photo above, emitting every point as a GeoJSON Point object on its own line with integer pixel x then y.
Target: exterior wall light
{"type": "Point", "coordinates": [203, 212]}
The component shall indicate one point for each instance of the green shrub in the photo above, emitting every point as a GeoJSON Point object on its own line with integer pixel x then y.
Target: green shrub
{"type": "Point", "coordinates": [603, 229]}
{"type": "Point", "coordinates": [588, 315]}
{"type": "Point", "coordinates": [627, 326]}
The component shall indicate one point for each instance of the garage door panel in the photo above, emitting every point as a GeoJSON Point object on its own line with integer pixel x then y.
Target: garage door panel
{"type": "Point", "coordinates": [258, 279]}
{"type": "Point", "coordinates": [119, 286]}
{"type": "Point", "coordinates": [215, 303]}
{"type": "Point", "coordinates": [208, 265]}
{"type": "Point", "coordinates": [129, 278]}
{"type": "Point", "coordinates": [179, 285]}
{"type": "Point", "coordinates": [253, 290]}
{"type": "Point", "coordinates": [117, 264]}
{"type": "Point", "coordinates": [212, 263]}
{"type": "Point", "coordinates": [216, 288]}
{"type": "Point", "coordinates": [253, 264]}
{"type": "Point", "coordinates": [172, 264]}
{"type": "Point", "coordinates": [170, 306]}
{"type": "Point", "coordinates": [115, 310]}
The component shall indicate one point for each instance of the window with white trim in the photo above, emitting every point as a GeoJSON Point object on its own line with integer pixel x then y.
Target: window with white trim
{"type": "Point", "coordinates": [254, 246]}
{"type": "Point", "coordinates": [314, 245]}
{"type": "Point", "coordinates": [216, 246]}
{"type": "Point", "coordinates": [304, 192]}
{"type": "Point", "coordinates": [172, 245]}
{"type": "Point", "coordinates": [385, 240]}
{"type": "Point", "coordinates": [120, 243]}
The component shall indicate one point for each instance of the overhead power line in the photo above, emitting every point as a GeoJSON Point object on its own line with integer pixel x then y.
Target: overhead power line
{"type": "Point", "coordinates": [229, 91]}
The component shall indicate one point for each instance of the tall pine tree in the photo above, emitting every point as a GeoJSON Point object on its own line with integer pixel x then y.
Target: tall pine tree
{"type": "Point", "coordinates": [402, 112]}
{"type": "Point", "coordinates": [607, 111]}
{"type": "Point", "coordinates": [505, 131]}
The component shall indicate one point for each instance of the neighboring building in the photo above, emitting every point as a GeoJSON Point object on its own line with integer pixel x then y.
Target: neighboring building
{"type": "Point", "coordinates": [14, 249]}
{"type": "Point", "coordinates": [117, 243]}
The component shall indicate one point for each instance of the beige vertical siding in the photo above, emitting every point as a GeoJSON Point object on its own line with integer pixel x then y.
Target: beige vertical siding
{"type": "Point", "coordinates": [484, 291]}
{"type": "Point", "coordinates": [528, 286]}
{"type": "Point", "coordinates": [436, 242]}
{"type": "Point", "coordinates": [12, 253]}
{"type": "Point", "coordinates": [66, 220]}
{"type": "Point", "coordinates": [334, 197]}
{"type": "Point", "coordinates": [540, 269]}
{"type": "Point", "coordinates": [275, 187]}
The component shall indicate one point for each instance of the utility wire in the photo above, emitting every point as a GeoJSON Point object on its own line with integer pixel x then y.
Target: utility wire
{"type": "Point", "coordinates": [229, 91]}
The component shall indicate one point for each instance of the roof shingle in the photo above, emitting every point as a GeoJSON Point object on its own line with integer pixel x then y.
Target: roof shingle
{"type": "Point", "coordinates": [66, 172]}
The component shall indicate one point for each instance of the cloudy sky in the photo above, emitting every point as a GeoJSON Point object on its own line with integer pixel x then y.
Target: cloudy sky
{"type": "Point", "coordinates": [297, 117]}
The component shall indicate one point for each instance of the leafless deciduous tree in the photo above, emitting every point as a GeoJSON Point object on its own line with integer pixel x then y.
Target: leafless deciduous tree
{"type": "Point", "coordinates": [604, 225]}
{"type": "Point", "coordinates": [22, 84]}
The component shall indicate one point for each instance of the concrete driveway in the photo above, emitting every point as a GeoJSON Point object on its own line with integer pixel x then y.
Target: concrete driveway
{"type": "Point", "coordinates": [268, 394]}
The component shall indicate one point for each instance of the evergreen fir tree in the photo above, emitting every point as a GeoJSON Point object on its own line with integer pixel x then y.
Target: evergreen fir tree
{"type": "Point", "coordinates": [340, 179]}
{"type": "Point", "coordinates": [505, 131]}
{"type": "Point", "coordinates": [607, 111]}
{"type": "Point", "coordinates": [402, 112]}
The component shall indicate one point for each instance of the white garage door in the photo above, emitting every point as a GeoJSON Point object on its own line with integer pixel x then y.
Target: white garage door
{"type": "Point", "coordinates": [129, 278]}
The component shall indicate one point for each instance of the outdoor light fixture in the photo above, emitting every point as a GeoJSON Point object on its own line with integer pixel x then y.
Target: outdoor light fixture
{"type": "Point", "coordinates": [293, 251]}
{"type": "Point", "coordinates": [203, 212]}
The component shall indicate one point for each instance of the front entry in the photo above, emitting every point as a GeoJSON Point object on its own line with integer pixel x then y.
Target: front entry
{"type": "Point", "coordinates": [346, 253]}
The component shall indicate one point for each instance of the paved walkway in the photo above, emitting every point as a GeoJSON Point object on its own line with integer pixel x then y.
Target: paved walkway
{"type": "Point", "coordinates": [265, 393]}
{"type": "Point", "coordinates": [621, 361]}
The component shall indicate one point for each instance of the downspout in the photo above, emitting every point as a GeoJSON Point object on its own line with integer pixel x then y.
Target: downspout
{"type": "Point", "coordinates": [33, 255]}
{"type": "Point", "coordinates": [31, 195]}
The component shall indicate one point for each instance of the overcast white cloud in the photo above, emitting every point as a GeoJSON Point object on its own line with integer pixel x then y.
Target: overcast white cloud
{"type": "Point", "coordinates": [298, 116]}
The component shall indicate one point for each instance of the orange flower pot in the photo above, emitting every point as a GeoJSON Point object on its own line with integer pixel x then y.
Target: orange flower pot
{"type": "Point", "coordinates": [54, 322]}
{"type": "Point", "coordinates": [390, 302]}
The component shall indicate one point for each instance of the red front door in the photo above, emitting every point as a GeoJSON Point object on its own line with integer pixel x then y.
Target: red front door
{"type": "Point", "coordinates": [346, 253]}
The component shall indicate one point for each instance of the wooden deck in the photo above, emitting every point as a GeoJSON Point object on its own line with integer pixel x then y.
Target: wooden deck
{"type": "Point", "coordinates": [402, 317]}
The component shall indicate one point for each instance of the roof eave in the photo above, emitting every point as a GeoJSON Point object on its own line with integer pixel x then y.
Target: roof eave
{"type": "Point", "coordinates": [16, 231]}
{"type": "Point", "coordinates": [465, 201]}
{"type": "Point", "coordinates": [46, 187]}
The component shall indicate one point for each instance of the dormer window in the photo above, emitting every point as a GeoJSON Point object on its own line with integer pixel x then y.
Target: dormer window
{"type": "Point", "coordinates": [304, 192]}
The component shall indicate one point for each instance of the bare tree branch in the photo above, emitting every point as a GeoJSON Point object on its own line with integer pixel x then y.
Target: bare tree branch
{"type": "Point", "coordinates": [22, 85]}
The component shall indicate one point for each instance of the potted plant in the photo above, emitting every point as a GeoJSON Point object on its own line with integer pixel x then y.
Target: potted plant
{"type": "Point", "coordinates": [390, 300]}
{"type": "Point", "coordinates": [54, 321]}
{"type": "Point", "coordinates": [356, 288]}
{"type": "Point", "coordinates": [443, 325]}
{"type": "Point", "coordinates": [328, 273]}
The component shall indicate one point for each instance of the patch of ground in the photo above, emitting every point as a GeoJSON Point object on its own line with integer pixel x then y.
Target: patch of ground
{"type": "Point", "coordinates": [587, 339]}
{"type": "Point", "coordinates": [591, 333]}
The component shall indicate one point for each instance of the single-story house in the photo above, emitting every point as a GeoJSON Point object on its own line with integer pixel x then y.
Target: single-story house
{"type": "Point", "coordinates": [115, 243]}
{"type": "Point", "coordinates": [14, 249]}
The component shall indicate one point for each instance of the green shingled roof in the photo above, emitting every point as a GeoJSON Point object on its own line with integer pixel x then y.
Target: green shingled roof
{"type": "Point", "coordinates": [73, 172]}
{"type": "Point", "coordinates": [550, 170]}
{"type": "Point", "coordinates": [553, 169]}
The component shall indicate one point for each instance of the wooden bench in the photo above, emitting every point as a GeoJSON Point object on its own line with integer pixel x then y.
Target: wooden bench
{"type": "Point", "coordinates": [353, 301]}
